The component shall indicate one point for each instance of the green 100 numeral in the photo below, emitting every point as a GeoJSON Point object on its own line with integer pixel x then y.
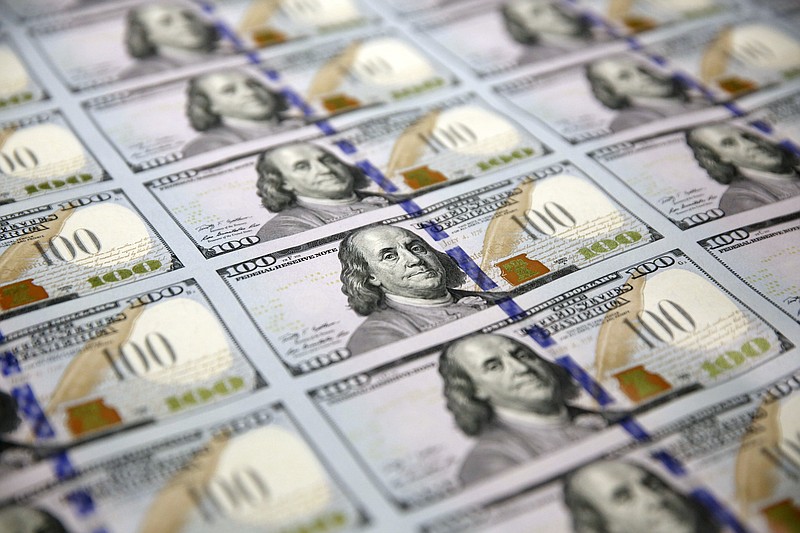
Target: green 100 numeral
{"type": "Point", "coordinates": [607, 245]}
{"type": "Point", "coordinates": [124, 273]}
{"type": "Point", "coordinates": [732, 358]}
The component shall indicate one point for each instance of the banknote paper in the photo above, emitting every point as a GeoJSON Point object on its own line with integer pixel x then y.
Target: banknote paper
{"type": "Point", "coordinates": [419, 183]}
{"type": "Point", "coordinates": [235, 104]}
{"type": "Point", "coordinates": [17, 85]}
{"type": "Point", "coordinates": [57, 252]}
{"type": "Point", "coordinates": [262, 23]}
{"type": "Point", "coordinates": [603, 96]}
{"type": "Point", "coordinates": [422, 463]}
{"type": "Point", "coordinates": [254, 198]}
{"type": "Point", "coordinates": [94, 47]}
{"type": "Point", "coordinates": [513, 34]}
{"type": "Point", "coordinates": [522, 232]}
{"type": "Point", "coordinates": [637, 16]}
{"type": "Point", "coordinates": [705, 172]}
{"type": "Point", "coordinates": [742, 451]}
{"type": "Point", "coordinates": [208, 111]}
{"type": "Point", "coordinates": [40, 154]}
{"type": "Point", "coordinates": [253, 471]}
{"type": "Point", "coordinates": [764, 255]}
{"type": "Point", "coordinates": [656, 327]}
{"type": "Point", "coordinates": [123, 363]}
{"type": "Point", "coordinates": [782, 116]}
{"type": "Point", "coordinates": [733, 57]}
{"type": "Point", "coordinates": [365, 69]}
{"type": "Point", "coordinates": [646, 333]}
{"type": "Point", "coordinates": [423, 148]}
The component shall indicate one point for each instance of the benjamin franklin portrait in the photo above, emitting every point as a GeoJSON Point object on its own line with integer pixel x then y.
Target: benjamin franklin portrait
{"type": "Point", "coordinates": [231, 106]}
{"type": "Point", "coordinates": [516, 404]}
{"type": "Point", "coordinates": [756, 170]}
{"type": "Point", "coordinates": [163, 35]}
{"type": "Point", "coordinates": [545, 28]}
{"type": "Point", "coordinates": [637, 91]}
{"type": "Point", "coordinates": [402, 285]}
{"type": "Point", "coordinates": [622, 497]}
{"type": "Point", "coordinates": [307, 186]}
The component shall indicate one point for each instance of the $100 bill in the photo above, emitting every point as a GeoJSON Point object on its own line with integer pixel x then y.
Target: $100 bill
{"type": "Point", "coordinates": [516, 33]}
{"type": "Point", "coordinates": [53, 253]}
{"type": "Point", "coordinates": [122, 363]}
{"type": "Point", "coordinates": [250, 472]}
{"type": "Point", "coordinates": [764, 255]}
{"type": "Point", "coordinates": [706, 172]}
{"type": "Point", "coordinates": [94, 47]}
{"type": "Point", "coordinates": [587, 101]}
{"type": "Point", "coordinates": [521, 232]}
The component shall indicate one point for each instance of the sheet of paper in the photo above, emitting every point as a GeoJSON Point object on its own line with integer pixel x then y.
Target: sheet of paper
{"type": "Point", "coordinates": [385, 266]}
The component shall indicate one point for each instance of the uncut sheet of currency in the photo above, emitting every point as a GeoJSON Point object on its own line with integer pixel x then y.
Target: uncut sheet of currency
{"type": "Point", "coordinates": [322, 266]}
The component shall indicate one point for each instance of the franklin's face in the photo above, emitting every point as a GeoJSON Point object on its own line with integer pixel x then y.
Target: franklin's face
{"type": "Point", "coordinates": [507, 374]}
{"type": "Point", "coordinates": [540, 16]}
{"type": "Point", "coordinates": [402, 264]}
{"type": "Point", "coordinates": [633, 499]}
{"type": "Point", "coordinates": [171, 25]}
{"type": "Point", "coordinates": [310, 171]}
{"type": "Point", "coordinates": [741, 148]}
{"type": "Point", "coordinates": [235, 95]}
{"type": "Point", "coordinates": [629, 78]}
